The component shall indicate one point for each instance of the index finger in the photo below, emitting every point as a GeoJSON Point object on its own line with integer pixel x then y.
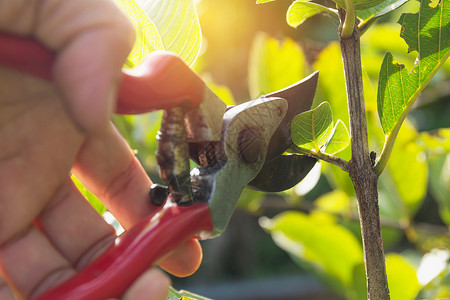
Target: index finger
{"type": "Point", "coordinates": [109, 169]}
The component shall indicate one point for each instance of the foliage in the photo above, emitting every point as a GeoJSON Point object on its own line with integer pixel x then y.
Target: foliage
{"type": "Point", "coordinates": [380, 10]}
{"type": "Point", "coordinates": [178, 26]}
{"type": "Point", "coordinates": [412, 164]}
{"type": "Point", "coordinates": [274, 65]}
{"type": "Point", "coordinates": [325, 240]}
{"type": "Point", "coordinates": [163, 25]}
{"type": "Point", "coordinates": [313, 130]}
{"type": "Point", "coordinates": [147, 36]}
{"type": "Point", "coordinates": [359, 4]}
{"type": "Point", "coordinates": [428, 33]}
{"type": "Point", "coordinates": [328, 249]}
{"type": "Point", "coordinates": [402, 278]}
{"type": "Point", "coordinates": [300, 11]}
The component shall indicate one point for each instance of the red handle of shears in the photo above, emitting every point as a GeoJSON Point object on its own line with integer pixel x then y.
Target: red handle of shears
{"type": "Point", "coordinates": [161, 81]}
{"type": "Point", "coordinates": [110, 275]}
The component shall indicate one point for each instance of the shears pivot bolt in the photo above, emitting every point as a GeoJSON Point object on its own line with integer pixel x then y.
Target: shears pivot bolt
{"type": "Point", "coordinates": [158, 194]}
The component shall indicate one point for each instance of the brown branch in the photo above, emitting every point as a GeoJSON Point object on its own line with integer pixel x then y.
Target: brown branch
{"type": "Point", "coordinates": [360, 168]}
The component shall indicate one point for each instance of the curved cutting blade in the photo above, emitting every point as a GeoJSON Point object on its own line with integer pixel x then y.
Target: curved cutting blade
{"type": "Point", "coordinates": [300, 97]}
{"type": "Point", "coordinates": [282, 173]}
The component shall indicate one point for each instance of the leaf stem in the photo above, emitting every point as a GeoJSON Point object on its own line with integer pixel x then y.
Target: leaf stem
{"type": "Point", "coordinates": [349, 22]}
{"type": "Point", "coordinates": [366, 24]}
{"type": "Point", "coordinates": [382, 162]}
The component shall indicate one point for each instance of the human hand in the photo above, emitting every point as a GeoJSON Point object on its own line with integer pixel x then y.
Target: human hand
{"type": "Point", "coordinates": [47, 230]}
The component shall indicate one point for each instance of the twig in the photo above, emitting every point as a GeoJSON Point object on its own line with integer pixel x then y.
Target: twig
{"type": "Point", "coordinates": [341, 163]}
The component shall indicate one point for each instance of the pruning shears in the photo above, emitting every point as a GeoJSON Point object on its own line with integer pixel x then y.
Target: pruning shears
{"type": "Point", "coordinates": [233, 148]}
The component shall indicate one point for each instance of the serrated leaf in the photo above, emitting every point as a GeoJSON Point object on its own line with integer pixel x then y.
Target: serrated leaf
{"type": "Point", "coordinates": [147, 36]}
{"type": "Point", "coordinates": [428, 33]}
{"type": "Point", "coordinates": [316, 240]}
{"type": "Point", "coordinates": [177, 23]}
{"type": "Point", "coordinates": [299, 11]}
{"type": "Point", "coordinates": [374, 46]}
{"type": "Point", "coordinates": [274, 65]}
{"type": "Point", "coordinates": [380, 9]}
{"type": "Point", "coordinates": [340, 139]}
{"type": "Point", "coordinates": [312, 129]}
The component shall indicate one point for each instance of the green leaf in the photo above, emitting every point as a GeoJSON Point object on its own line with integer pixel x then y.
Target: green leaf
{"type": "Point", "coordinates": [359, 4]}
{"type": "Point", "coordinates": [96, 204]}
{"type": "Point", "coordinates": [299, 11]}
{"type": "Point", "coordinates": [184, 295]}
{"type": "Point", "coordinates": [316, 240]}
{"type": "Point", "coordinates": [402, 279]}
{"type": "Point", "coordinates": [403, 186]}
{"type": "Point", "coordinates": [428, 33]}
{"type": "Point", "coordinates": [313, 128]}
{"type": "Point", "coordinates": [274, 65]}
{"type": "Point", "coordinates": [147, 36]}
{"type": "Point", "coordinates": [438, 154]}
{"type": "Point", "coordinates": [177, 22]}
{"type": "Point", "coordinates": [374, 47]}
{"type": "Point", "coordinates": [380, 9]}
{"type": "Point", "coordinates": [440, 184]}
{"type": "Point", "coordinates": [340, 139]}
{"type": "Point", "coordinates": [334, 202]}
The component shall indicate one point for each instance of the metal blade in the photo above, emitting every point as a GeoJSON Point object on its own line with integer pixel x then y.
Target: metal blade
{"type": "Point", "coordinates": [282, 173]}
{"type": "Point", "coordinates": [300, 98]}
{"type": "Point", "coordinates": [279, 172]}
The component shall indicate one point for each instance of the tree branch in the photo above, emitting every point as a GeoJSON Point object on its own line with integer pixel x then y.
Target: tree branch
{"type": "Point", "coordinates": [360, 167]}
